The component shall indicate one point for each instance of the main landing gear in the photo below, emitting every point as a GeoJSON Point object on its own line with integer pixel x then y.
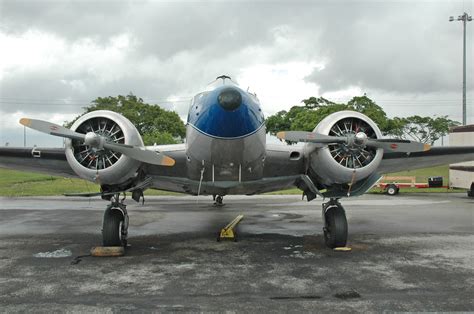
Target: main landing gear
{"type": "Point", "coordinates": [335, 224]}
{"type": "Point", "coordinates": [115, 223]}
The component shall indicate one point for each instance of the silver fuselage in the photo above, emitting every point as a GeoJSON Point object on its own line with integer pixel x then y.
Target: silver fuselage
{"type": "Point", "coordinates": [225, 135]}
{"type": "Point", "coordinates": [220, 159]}
{"type": "Point", "coordinates": [225, 150]}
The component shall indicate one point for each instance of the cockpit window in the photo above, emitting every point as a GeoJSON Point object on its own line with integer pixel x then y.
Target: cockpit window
{"type": "Point", "coordinates": [199, 98]}
{"type": "Point", "coordinates": [196, 103]}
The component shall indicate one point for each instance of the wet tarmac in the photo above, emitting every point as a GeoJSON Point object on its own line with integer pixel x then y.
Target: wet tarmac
{"type": "Point", "coordinates": [411, 252]}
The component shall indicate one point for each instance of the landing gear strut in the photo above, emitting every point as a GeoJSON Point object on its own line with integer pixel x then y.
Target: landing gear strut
{"type": "Point", "coordinates": [335, 224]}
{"type": "Point", "coordinates": [115, 223]}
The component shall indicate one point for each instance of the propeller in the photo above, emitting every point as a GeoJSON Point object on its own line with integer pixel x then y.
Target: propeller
{"type": "Point", "coordinates": [99, 142]}
{"type": "Point", "coordinates": [358, 140]}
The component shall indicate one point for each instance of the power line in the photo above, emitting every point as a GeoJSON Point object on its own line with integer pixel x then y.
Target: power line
{"type": "Point", "coordinates": [75, 104]}
{"type": "Point", "coordinates": [403, 102]}
{"type": "Point", "coordinates": [65, 100]}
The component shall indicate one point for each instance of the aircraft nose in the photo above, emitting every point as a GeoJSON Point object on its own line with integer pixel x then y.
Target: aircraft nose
{"type": "Point", "coordinates": [230, 99]}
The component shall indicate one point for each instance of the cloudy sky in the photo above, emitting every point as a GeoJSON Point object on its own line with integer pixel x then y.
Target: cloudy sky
{"type": "Point", "coordinates": [57, 56]}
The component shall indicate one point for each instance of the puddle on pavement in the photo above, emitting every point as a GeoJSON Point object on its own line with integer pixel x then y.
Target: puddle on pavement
{"type": "Point", "coordinates": [54, 254]}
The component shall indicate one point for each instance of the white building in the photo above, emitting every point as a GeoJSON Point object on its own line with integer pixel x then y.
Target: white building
{"type": "Point", "coordinates": [461, 175]}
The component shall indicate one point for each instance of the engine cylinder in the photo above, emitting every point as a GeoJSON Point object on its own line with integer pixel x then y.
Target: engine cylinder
{"type": "Point", "coordinates": [343, 163]}
{"type": "Point", "coordinates": [101, 165]}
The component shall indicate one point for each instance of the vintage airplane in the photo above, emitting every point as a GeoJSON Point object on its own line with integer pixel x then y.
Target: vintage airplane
{"type": "Point", "coordinates": [226, 153]}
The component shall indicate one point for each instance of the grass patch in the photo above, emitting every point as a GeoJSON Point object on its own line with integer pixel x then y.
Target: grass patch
{"type": "Point", "coordinates": [19, 183]}
{"type": "Point", "coordinates": [418, 190]}
{"type": "Point", "coordinates": [293, 191]}
{"type": "Point", "coordinates": [422, 175]}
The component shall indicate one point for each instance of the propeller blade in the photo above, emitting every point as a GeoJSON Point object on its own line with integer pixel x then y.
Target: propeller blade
{"type": "Point", "coordinates": [141, 154]}
{"type": "Point", "coordinates": [401, 146]}
{"type": "Point", "coordinates": [138, 153]}
{"type": "Point", "coordinates": [389, 145]}
{"type": "Point", "coordinates": [51, 128]}
{"type": "Point", "coordinates": [311, 137]}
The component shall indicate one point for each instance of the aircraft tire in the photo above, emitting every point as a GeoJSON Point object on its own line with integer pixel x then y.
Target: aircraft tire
{"type": "Point", "coordinates": [470, 192]}
{"type": "Point", "coordinates": [113, 218]}
{"type": "Point", "coordinates": [335, 232]}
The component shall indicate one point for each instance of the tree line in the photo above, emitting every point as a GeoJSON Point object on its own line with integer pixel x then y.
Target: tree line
{"type": "Point", "coordinates": [155, 124]}
{"type": "Point", "coordinates": [314, 109]}
{"type": "Point", "coordinates": [160, 126]}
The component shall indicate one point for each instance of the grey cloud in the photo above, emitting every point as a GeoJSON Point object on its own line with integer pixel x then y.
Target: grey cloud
{"type": "Point", "coordinates": [405, 48]}
{"type": "Point", "coordinates": [392, 46]}
{"type": "Point", "coordinates": [70, 19]}
{"type": "Point", "coordinates": [51, 92]}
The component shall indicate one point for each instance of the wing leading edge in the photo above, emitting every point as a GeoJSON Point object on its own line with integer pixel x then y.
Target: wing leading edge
{"type": "Point", "coordinates": [45, 160]}
{"type": "Point", "coordinates": [436, 156]}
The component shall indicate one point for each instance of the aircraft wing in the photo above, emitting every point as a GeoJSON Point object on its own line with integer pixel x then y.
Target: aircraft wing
{"type": "Point", "coordinates": [45, 160]}
{"type": "Point", "coordinates": [436, 156]}
{"type": "Point", "coordinates": [53, 161]}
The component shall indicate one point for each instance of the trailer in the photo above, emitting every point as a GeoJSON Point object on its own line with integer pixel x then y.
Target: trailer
{"type": "Point", "coordinates": [461, 175]}
{"type": "Point", "coordinates": [392, 184]}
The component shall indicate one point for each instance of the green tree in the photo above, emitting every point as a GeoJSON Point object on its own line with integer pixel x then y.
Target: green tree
{"type": "Point", "coordinates": [367, 106]}
{"type": "Point", "coordinates": [158, 138]}
{"type": "Point", "coordinates": [303, 118]}
{"type": "Point", "coordinates": [155, 124]}
{"type": "Point", "coordinates": [315, 109]}
{"type": "Point", "coordinates": [423, 129]}
{"type": "Point", "coordinates": [316, 102]}
{"type": "Point", "coordinates": [308, 119]}
{"type": "Point", "coordinates": [279, 121]}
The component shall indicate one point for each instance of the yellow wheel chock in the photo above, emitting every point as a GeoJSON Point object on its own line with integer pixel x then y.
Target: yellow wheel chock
{"type": "Point", "coordinates": [107, 251]}
{"type": "Point", "coordinates": [228, 231]}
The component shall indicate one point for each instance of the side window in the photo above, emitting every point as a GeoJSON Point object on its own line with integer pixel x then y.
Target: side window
{"type": "Point", "coordinates": [196, 105]}
{"type": "Point", "coordinates": [190, 108]}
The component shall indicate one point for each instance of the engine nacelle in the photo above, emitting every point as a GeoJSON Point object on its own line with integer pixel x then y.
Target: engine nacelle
{"type": "Point", "coordinates": [340, 163]}
{"type": "Point", "coordinates": [103, 166]}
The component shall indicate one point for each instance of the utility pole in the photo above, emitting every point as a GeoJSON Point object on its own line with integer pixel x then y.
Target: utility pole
{"type": "Point", "coordinates": [24, 136]}
{"type": "Point", "coordinates": [464, 18]}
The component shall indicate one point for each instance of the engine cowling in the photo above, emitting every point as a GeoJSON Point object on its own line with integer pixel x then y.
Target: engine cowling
{"type": "Point", "coordinates": [103, 166]}
{"type": "Point", "coordinates": [343, 163]}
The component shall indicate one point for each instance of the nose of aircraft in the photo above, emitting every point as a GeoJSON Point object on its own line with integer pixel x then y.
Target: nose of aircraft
{"type": "Point", "coordinates": [230, 99]}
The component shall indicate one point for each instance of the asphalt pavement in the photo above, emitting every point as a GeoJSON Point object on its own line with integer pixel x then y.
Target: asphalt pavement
{"type": "Point", "coordinates": [410, 252]}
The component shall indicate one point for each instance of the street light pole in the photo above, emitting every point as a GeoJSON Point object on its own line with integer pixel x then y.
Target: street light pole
{"type": "Point", "coordinates": [464, 18]}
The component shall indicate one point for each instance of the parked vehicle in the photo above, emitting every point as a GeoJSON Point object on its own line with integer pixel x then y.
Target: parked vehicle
{"type": "Point", "coordinates": [461, 175]}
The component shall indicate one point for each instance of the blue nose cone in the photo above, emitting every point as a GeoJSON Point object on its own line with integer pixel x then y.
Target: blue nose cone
{"type": "Point", "coordinates": [226, 112]}
{"type": "Point", "coordinates": [230, 99]}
